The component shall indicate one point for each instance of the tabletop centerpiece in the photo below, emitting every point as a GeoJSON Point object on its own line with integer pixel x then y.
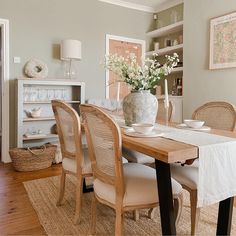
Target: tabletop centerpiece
{"type": "Point", "coordinates": [140, 106]}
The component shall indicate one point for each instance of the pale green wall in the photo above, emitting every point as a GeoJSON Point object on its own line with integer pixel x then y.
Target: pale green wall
{"type": "Point", "coordinates": [200, 84]}
{"type": "Point", "coordinates": [38, 26]}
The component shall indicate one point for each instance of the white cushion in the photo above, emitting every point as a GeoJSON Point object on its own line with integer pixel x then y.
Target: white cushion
{"type": "Point", "coordinates": [140, 186]}
{"type": "Point", "coordinates": [137, 157]}
{"type": "Point", "coordinates": [186, 175]}
{"type": "Point", "coordinates": [70, 164]}
{"type": "Point", "coordinates": [109, 104]}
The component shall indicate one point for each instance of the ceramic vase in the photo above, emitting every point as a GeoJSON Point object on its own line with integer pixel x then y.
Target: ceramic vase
{"type": "Point", "coordinates": [140, 107]}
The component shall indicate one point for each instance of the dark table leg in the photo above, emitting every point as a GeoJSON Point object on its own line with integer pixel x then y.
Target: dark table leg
{"type": "Point", "coordinates": [165, 198]}
{"type": "Point", "coordinates": [225, 216]}
{"type": "Point", "coordinates": [87, 189]}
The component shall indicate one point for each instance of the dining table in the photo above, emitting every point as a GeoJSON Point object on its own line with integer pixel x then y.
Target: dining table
{"type": "Point", "coordinates": [166, 151]}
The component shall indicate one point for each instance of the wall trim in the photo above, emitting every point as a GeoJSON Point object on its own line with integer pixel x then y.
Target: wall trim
{"type": "Point", "coordinates": [125, 39]}
{"type": "Point", "coordinates": [4, 24]}
{"type": "Point", "coordinates": [166, 5]}
{"type": "Point", "coordinates": [130, 5]}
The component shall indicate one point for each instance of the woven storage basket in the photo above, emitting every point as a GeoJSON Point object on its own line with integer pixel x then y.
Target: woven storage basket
{"type": "Point", "coordinates": [30, 159]}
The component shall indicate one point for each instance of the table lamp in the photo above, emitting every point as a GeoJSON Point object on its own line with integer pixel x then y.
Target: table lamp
{"type": "Point", "coordinates": [70, 50]}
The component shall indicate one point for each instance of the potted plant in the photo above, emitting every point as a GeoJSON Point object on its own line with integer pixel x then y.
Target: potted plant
{"type": "Point", "coordinates": [140, 105]}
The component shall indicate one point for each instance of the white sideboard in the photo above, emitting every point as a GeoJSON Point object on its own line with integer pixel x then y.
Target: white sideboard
{"type": "Point", "coordinates": [38, 93]}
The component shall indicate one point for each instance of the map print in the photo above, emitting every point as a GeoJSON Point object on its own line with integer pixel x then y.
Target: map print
{"type": "Point", "coordinates": [224, 43]}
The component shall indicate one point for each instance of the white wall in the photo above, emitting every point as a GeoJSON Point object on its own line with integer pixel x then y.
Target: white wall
{"type": "Point", "coordinates": [38, 26]}
{"type": "Point", "coordinates": [200, 84]}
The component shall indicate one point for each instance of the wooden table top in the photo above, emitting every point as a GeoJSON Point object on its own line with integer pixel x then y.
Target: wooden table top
{"type": "Point", "coordinates": [167, 150]}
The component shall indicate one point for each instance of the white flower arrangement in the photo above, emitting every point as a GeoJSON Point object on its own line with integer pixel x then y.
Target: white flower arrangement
{"type": "Point", "coordinates": [140, 77]}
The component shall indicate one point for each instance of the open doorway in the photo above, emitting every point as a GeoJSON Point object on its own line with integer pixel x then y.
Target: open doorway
{"type": "Point", "coordinates": [122, 46]}
{"type": "Point", "coordinates": [4, 89]}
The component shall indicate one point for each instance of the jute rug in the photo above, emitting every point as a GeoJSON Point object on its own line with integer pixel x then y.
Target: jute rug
{"type": "Point", "coordinates": [59, 220]}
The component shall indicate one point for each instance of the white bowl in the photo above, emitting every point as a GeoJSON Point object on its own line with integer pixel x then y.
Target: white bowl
{"type": "Point", "coordinates": [143, 128]}
{"type": "Point", "coordinates": [196, 124]}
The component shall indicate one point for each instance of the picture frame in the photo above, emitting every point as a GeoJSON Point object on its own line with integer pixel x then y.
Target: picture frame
{"type": "Point", "coordinates": [222, 42]}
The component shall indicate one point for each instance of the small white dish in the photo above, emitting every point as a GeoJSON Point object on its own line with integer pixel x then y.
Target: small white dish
{"type": "Point", "coordinates": [154, 133]}
{"type": "Point", "coordinates": [196, 124]}
{"type": "Point", "coordinates": [184, 126]}
{"type": "Point", "coordinates": [143, 128]}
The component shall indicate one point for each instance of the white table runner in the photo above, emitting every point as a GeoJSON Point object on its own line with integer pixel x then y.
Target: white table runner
{"type": "Point", "coordinates": [217, 163]}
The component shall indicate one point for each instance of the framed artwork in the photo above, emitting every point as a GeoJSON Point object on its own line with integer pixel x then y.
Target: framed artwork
{"type": "Point", "coordinates": [223, 42]}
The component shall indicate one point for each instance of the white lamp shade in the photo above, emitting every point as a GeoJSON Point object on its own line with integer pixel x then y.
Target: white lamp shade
{"type": "Point", "coordinates": [71, 49]}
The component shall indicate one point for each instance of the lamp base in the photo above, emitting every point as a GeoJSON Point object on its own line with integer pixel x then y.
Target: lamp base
{"type": "Point", "coordinates": [69, 72]}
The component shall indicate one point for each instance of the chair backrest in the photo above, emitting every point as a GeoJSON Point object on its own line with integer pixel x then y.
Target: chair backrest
{"type": "Point", "coordinates": [104, 142]}
{"type": "Point", "coordinates": [161, 113]}
{"type": "Point", "coordinates": [217, 115]}
{"type": "Point", "coordinates": [69, 131]}
{"type": "Point", "coordinates": [110, 106]}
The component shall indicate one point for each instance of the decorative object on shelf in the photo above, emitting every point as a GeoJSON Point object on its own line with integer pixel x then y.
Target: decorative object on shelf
{"type": "Point", "coordinates": [175, 42]}
{"type": "Point", "coordinates": [33, 133]}
{"type": "Point", "coordinates": [179, 87]}
{"type": "Point", "coordinates": [167, 42]}
{"type": "Point", "coordinates": [35, 68]}
{"type": "Point", "coordinates": [174, 17]}
{"type": "Point", "coordinates": [140, 106]}
{"type": "Point", "coordinates": [70, 51]}
{"type": "Point", "coordinates": [156, 46]}
{"type": "Point", "coordinates": [222, 42]}
{"type": "Point", "coordinates": [34, 113]}
{"type": "Point", "coordinates": [30, 159]}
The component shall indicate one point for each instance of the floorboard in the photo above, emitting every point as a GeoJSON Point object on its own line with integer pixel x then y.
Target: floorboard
{"type": "Point", "coordinates": [17, 216]}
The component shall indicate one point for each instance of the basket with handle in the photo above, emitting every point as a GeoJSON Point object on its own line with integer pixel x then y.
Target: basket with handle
{"type": "Point", "coordinates": [35, 158]}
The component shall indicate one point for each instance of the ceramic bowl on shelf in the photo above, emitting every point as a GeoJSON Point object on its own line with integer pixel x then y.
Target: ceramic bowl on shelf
{"type": "Point", "coordinates": [143, 128]}
{"type": "Point", "coordinates": [196, 124]}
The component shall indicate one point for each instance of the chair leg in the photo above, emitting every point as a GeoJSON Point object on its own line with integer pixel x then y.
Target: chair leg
{"type": "Point", "coordinates": [119, 223]}
{"type": "Point", "coordinates": [195, 212]}
{"type": "Point", "coordinates": [62, 188]}
{"type": "Point", "coordinates": [78, 199]}
{"type": "Point", "coordinates": [93, 215]}
{"type": "Point", "coordinates": [178, 207]}
{"type": "Point", "coordinates": [151, 213]}
{"type": "Point", "coordinates": [136, 215]}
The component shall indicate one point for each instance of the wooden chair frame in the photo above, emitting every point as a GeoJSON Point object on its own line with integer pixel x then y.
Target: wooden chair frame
{"type": "Point", "coordinates": [118, 180]}
{"type": "Point", "coordinates": [78, 155]}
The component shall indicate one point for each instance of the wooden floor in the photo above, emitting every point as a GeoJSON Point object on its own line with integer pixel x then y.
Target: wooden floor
{"type": "Point", "coordinates": [17, 216]}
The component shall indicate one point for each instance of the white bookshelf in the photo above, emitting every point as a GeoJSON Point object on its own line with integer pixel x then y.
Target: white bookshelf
{"type": "Point", "coordinates": [35, 93]}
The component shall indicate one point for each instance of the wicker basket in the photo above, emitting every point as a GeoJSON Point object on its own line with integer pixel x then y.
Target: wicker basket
{"type": "Point", "coordinates": [30, 159]}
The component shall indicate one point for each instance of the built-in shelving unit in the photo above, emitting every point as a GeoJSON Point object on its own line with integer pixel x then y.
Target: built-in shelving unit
{"type": "Point", "coordinates": [169, 29]}
{"type": "Point", "coordinates": [167, 40]}
{"type": "Point", "coordinates": [167, 50]}
{"type": "Point", "coordinates": [38, 93]}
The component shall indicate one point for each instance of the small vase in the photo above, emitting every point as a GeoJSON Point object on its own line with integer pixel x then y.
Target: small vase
{"type": "Point", "coordinates": [140, 107]}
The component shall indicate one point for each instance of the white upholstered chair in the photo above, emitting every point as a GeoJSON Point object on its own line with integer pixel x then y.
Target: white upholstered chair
{"type": "Point", "coordinates": [218, 115]}
{"type": "Point", "coordinates": [117, 185]}
{"type": "Point", "coordinates": [75, 159]}
{"type": "Point", "coordinates": [137, 157]}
